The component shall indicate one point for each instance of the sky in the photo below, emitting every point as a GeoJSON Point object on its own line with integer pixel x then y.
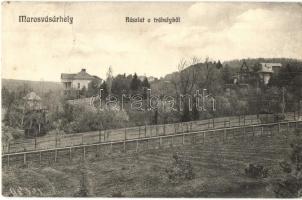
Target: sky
{"type": "Point", "coordinates": [99, 36]}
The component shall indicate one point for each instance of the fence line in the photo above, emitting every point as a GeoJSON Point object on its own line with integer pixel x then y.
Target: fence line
{"type": "Point", "coordinates": [222, 134]}
{"type": "Point", "coordinates": [131, 133]}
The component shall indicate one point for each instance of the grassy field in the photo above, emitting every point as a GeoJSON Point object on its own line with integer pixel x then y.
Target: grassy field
{"type": "Point", "coordinates": [218, 168]}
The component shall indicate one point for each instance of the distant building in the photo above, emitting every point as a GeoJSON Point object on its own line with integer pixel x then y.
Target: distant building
{"type": "Point", "coordinates": [77, 81]}
{"type": "Point", "coordinates": [267, 70]}
{"type": "Point", "coordinates": [235, 78]}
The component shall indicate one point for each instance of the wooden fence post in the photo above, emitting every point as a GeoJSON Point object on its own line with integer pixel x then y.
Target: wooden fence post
{"type": "Point", "coordinates": [8, 160]}
{"type": "Point", "coordinates": [8, 147]}
{"type": "Point", "coordinates": [56, 154]}
{"type": "Point", "coordinates": [136, 149]}
{"type": "Point", "coordinates": [125, 138]}
{"type": "Point", "coordinates": [97, 151]}
{"type": "Point", "coordinates": [204, 137]}
{"type": "Point", "coordinates": [111, 147]}
{"type": "Point", "coordinates": [225, 139]}
{"type": "Point", "coordinates": [139, 132]}
{"type": "Point", "coordinates": [213, 123]}
{"type": "Point", "coordinates": [70, 154]}
{"type": "Point", "coordinates": [56, 140]}
{"type": "Point", "coordinates": [278, 128]}
{"type": "Point", "coordinates": [160, 141]}
{"type": "Point", "coordinates": [209, 121]}
{"type": "Point", "coordinates": [82, 139]}
{"type": "Point", "coordinates": [24, 158]}
{"type": "Point", "coordinates": [145, 130]}
{"type": "Point", "coordinates": [40, 158]}
{"type": "Point", "coordinates": [172, 141]}
{"type": "Point", "coordinates": [125, 134]}
{"type": "Point", "coordinates": [84, 152]}
{"type": "Point", "coordinates": [253, 131]}
{"type": "Point", "coordinates": [296, 124]}
{"type": "Point", "coordinates": [261, 133]}
{"type": "Point", "coordinates": [287, 127]}
{"type": "Point", "coordinates": [239, 120]}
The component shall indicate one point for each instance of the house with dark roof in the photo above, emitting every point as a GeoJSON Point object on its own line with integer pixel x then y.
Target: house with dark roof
{"type": "Point", "coordinates": [77, 81]}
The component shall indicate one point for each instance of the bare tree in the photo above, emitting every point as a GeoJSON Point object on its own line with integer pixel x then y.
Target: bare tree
{"type": "Point", "coordinates": [185, 79]}
{"type": "Point", "coordinates": [208, 76]}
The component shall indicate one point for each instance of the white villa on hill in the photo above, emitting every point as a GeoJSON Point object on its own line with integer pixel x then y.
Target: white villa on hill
{"type": "Point", "coordinates": [77, 81]}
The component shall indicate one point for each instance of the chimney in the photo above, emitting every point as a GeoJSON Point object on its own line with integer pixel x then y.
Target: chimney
{"type": "Point", "coordinates": [83, 70]}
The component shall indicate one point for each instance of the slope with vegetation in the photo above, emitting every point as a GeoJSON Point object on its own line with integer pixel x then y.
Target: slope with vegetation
{"type": "Point", "coordinates": [210, 170]}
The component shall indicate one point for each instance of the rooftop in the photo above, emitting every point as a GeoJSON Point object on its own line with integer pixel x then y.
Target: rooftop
{"type": "Point", "coordinates": [82, 75]}
{"type": "Point", "coordinates": [269, 67]}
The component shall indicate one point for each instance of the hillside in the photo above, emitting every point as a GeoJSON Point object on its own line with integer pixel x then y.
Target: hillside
{"type": "Point", "coordinates": [252, 61]}
{"type": "Point", "coordinates": [236, 64]}
{"type": "Point", "coordinates": [40, 87]}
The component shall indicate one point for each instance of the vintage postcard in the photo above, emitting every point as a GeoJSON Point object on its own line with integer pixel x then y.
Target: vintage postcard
{"type": "Point", "coordinates": [151, 99]}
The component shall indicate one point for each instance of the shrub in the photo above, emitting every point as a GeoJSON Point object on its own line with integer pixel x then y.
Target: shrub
{"type": "Point", "coordinates": [290, 186]}
{"type": "Point", "coordinates": [256, 171]}
{"type": "Point", "coordinates": [279, 117]}
{"type": "Point", "coordinates": [180, 169]}
{"type": "Point", "coordinates": [117, 194]}
{"type": "Point", "coordinates": [286, 167]}
{"type": "Point", "coordinates": [83, 190]}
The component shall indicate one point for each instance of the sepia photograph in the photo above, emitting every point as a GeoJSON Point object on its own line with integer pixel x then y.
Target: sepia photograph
{"type": "Point", "coordinates": [151, 99]}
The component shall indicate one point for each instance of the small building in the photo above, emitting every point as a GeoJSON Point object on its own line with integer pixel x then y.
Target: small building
{"type": "Point", "coordinates": [77, 81]}
{"type": "Point", "coordinates": [267, 70]}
